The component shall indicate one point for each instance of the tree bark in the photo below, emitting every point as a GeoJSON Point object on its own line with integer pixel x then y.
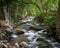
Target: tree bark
{"type": "Point", "coordinates": [58, 20]}
{"type": "Point", "coordinates": [16, 12]}
{"type": "Point", "coordinates": [1, 14]}
{"type": "Point", "coordinates": [6, 14]}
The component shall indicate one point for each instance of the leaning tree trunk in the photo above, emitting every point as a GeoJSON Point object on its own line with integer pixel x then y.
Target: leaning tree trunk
{"type": "Point", "coordinates": [58, 20]}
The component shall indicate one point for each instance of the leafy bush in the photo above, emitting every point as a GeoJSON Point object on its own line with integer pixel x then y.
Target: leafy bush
{"type": "Point", "coordinates": [50, 21]}
{"type": "Point", "coordinates": [39, 18]}
{"type": "Point", "coordinates": [12, 19]}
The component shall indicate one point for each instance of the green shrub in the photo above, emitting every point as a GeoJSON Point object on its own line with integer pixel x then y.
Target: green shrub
{"type": "Point", "coordinates": [39, 18]}
{"type": "Point", "coordinates": [12, 19]}
{"type": "Point", "coordinates": [50, 21]}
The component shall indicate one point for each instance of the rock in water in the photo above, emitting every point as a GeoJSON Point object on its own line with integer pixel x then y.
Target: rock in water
{"type": "Point", "coordinates": [14, 36]}
{"type": "Point", "coordinates": [24, 44]}
{"type": "Point", "coordinates": [17, 45]}
{"type": "Point", "coordinates": [19, 31]}
{"type": "Point", "coordinates": [35, 28]}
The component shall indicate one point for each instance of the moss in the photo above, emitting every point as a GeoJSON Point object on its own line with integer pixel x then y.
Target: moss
{"type": "Point", "coordinates": [19, 31]}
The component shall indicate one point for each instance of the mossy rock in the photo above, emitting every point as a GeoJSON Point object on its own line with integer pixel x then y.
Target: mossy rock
{"type": "Point", "coordinates": [19, 31]}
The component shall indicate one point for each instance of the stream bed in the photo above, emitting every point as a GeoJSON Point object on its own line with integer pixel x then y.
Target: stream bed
{"type": "Point", "coordinates": [32, 36]}
{"type": "Point", "coordinates": [37, 38]}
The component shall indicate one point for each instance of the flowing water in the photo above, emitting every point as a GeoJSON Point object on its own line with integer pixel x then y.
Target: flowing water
{"type": "Point", "coordinates": [33, 35]}
{"type": "Point", "coordinates": [37, 39]}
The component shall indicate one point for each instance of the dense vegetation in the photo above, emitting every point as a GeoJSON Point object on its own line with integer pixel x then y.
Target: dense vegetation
{"type": "Point", "coordinates": [46, 12]}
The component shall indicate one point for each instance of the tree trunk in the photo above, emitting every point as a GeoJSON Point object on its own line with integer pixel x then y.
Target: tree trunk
{"type": "Point", "coordinates": [58, 23]}
{"type": "Point", "coordinates": [16, 12]}
{"type": "Point", "coordinates": [1, 14]}
{"type": "Point", "coordinates": [58, 20]}
{"type": "Point", "coordinates": [6, 14]}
